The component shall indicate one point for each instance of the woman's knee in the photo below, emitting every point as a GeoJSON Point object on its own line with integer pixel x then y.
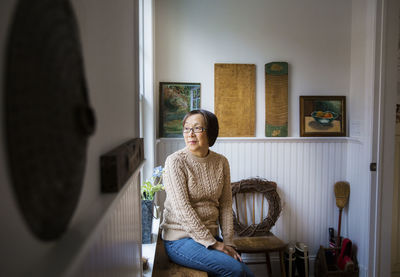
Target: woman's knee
{"type": "Point", "coordinates": [237, 270]}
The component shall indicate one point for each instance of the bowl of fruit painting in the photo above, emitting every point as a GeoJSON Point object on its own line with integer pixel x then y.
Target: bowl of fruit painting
{"type": "Point", "coordinates": [322, 116]}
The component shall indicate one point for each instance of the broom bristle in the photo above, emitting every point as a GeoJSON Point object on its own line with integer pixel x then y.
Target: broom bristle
{"type": "Point", "coordinates": [342, 192]}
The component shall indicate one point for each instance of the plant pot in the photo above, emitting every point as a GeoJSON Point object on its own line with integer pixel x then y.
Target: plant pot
{"type": "Point", "coordinates": [147, 220]}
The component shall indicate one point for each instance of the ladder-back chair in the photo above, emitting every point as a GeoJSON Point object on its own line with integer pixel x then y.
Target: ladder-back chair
{"type": "Point", "coordinates": [251, 199]}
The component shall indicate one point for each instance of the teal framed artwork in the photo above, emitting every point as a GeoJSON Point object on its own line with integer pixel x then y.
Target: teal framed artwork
{"type": "Point", "coordinates": [176, 99]}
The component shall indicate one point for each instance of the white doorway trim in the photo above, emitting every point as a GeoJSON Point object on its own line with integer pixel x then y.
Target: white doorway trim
{"type": "Point", "coordinates": [385, 81]}
{"type": "Point", "coordinates": [147, 90]}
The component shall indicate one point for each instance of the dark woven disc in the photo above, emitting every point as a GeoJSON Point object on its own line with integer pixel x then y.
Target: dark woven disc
{"type": "Point", "coordinates": [48, 117]}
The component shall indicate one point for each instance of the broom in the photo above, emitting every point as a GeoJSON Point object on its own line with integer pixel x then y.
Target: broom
{"type": "Point", "coordinates": [342, 192]}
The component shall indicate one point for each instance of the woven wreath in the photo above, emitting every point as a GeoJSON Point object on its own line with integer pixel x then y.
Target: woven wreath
{"type": "Point", "coordinates": [268, 188]}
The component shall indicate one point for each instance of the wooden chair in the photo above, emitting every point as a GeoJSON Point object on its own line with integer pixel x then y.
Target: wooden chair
{"type": "Point", "coordinates": [255, 237]}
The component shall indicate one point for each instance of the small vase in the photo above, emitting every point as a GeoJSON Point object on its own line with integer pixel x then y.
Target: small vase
{"type": "Point", "coordinates": [147, 220]}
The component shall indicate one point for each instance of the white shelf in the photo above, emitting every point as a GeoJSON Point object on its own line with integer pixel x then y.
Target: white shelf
{"type": "Point", "coordinates": [149, 249]}
{"type": "Point", "coordinates": [278, 139]}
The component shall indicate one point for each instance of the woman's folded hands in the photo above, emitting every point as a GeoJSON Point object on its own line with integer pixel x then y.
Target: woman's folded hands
{"type": "Point", "coordinates": [220, 246]}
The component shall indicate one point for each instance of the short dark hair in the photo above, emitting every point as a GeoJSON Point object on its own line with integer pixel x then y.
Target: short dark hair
{"type": "Point", "coordinates": [211, 122]}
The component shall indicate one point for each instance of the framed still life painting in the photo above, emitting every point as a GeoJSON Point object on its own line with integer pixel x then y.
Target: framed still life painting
{"type": "Point", "coordinates": [322, 116]}
{"type": "Point", "coordinates": [176, 99]}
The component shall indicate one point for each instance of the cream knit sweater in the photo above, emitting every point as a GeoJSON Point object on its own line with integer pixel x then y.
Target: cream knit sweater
{"type": "Point", "coordinates": [198, 197]}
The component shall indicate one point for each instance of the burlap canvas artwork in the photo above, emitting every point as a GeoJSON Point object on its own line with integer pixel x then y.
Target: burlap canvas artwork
{"type": "Point", "coordinates": [235, 99]}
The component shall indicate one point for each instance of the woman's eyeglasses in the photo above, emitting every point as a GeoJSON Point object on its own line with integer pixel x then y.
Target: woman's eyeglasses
{"type": "Point", "coordinates": [195, 130]}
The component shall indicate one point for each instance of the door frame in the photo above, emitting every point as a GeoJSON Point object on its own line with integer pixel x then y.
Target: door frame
{"type": "Point", "coordinates": [383, 136]}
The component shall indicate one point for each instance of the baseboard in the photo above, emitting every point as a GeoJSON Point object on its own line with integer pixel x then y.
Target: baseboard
{"type": "Point", "coordinates": [363, 271]}
{"type": "Point", "coordinates": [260, 258]}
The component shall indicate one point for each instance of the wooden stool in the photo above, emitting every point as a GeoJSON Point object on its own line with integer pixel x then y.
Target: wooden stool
{"type": "Point", "coordinates": [163, 266]}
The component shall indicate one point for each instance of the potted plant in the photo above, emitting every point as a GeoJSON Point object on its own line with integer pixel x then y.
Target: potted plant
{"type": "Point", "coordinates": [147, 191]}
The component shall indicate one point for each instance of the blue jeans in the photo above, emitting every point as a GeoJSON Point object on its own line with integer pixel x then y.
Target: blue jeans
{"type": "Point", "coordinates": [191, 254]}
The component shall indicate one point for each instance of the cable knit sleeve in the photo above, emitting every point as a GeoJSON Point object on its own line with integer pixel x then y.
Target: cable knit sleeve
{"type": "Point", "coordinates": [225, 208]}
{"type": "Point", "coordinates": [175, 180]}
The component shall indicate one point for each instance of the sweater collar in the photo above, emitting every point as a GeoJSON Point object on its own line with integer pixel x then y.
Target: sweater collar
{"type": "Point", "coordinates": [199, 159]}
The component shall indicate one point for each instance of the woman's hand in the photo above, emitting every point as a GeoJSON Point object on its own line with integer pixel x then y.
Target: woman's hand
{"type": "Point", "coordinates": [220, 246]}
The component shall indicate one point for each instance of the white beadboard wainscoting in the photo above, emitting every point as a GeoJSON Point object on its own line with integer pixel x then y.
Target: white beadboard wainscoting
{"type": "Point", "coordinates": [357, 212]}
{"type": "Point", "coordinates": [305, 170]}
{"type": "Point", "coordinates": [114, 247]}
{"type": "Point", "coordinates": [108, 243]}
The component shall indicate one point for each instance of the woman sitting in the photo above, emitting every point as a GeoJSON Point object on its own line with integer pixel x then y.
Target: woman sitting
{"type": "Point", "coordinates": [199, 201]}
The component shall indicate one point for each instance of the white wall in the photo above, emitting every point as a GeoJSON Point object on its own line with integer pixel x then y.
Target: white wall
{"type": "Point", "coordinates": [107, 34]}
{"type": "Point", "coordinates": [329, 46]}
{"type": "Point", "coordinates": [313, 36]}
{"type": "Point", "coordinates": [108, 39]}
{"type": "Point", "coordinates": [360, 126]}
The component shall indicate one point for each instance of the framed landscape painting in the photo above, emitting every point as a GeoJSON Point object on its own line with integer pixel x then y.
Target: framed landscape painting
{"type": "Point", "coordinates": [176, 99]}
{"type": "Point", "coordinates": [322, 116]}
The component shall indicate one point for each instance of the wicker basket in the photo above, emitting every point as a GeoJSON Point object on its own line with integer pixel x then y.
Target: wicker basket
{"type": "Point", "coordinates": [325, 265]}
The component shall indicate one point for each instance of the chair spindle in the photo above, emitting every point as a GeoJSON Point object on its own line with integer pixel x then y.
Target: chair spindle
{"type": "Point", "coordinates": [245, 212]}
{"type": "Point", "coordinates": [237, 208]}
{"type": "Point", "coordinates": [262, 209]}
{"type": "Point", "coordinates": [254, 208]}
